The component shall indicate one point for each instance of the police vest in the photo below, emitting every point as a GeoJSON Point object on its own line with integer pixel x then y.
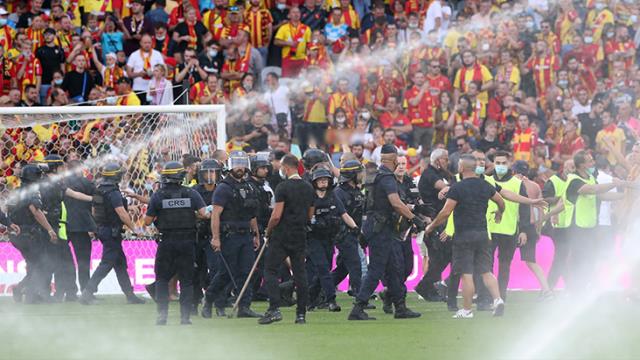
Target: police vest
{"type": "Point", "coordinates": [509, 223]}
{"type": "Point", "coordinates": [103, 212]}
{"type": "Point", "coordinates": [244, 204]}
{"type": "Point", "coordinates": [176, 210]}
{"type": "Point", "coordinates": [491, 209]}
{"type": "Point", "coordinates": [565, 218]}
{"type": "Point", "coordinates": [204, 225]}
{"type": "Point", "coordinates": [586, 205]}
{"type": "Point", "coordinates": [377, 203]}
{"type": "Point", "coordinates": [264, 203]}
{"type": "Point", "coordinates": [62, 224]}
{"type": "Point", "coordinates": [326, 221]}
{"type": "Point", "coordinates": [354, 203]}
{"type": "Point", "coordinates": [409, 195]}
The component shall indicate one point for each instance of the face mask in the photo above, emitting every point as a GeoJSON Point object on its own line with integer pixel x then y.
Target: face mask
{"type": "Point", "coordinates": [588, 40]}
{"type": "Point", "coordinates": [479, 170]}
{"type": "Point", "coordinates": [591, 170]}
{"type": "Point", "coordinates": [247, 87]}
{"type": "Point", "coordinates": [282, 174]}
{"type": "Point", "coordinates": [501, 170]}
{"type": "Point", "coordinates": [341, 119]}
{"type": "Point", "coordinates": [111, 100]}
{"type": "Point", "coordinates": [599, 6]}
{"type": "Point", "coordinates": [413, 25]}
{"type": "Point", "coordinates": [58, 81]}
{"type": "Point", "coordinates": [3, 22]}
{"type": "Point", "coordinates": [281, 6]}
{"type": "Point", "coordinates": [563, 83]}
{"type": "Point", "coordinates": [485, 47]}
{"type": "Point", "coordinates": [213, 53]}
{"type": "Point", "coordinates": [160, 38]}
{"type": "Point", "coordinates": [366, 115]}
{"type": "Point", "coordinates": [610, 34]}
{"type": "Point", "coordinates": [530, 24]}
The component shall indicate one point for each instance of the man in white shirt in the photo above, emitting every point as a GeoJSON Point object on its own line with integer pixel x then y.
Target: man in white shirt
{"type": "Point", "coordinates": [140, 65]}
{"type": "Point", "coordinates": [433, 20]}
{"type": "Point", "coordinates": [277, 99]}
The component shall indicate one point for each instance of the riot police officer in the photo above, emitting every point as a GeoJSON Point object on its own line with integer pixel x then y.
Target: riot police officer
{"type": "Point", "coordinates": [261, 169]}
{"type": "Point", "coordinates": [348, 261]}
{"type": "Point", "coordinates": [173, 211]}
{"type": "Point", "coordinates": [209, 174]}
{"type": "Point", "coordinates": [329, 215]}
{"type": "Point", "coordinates": [110, 213]}
{"type": "Point", "coordinates": [382, 200]}
{"type": "Point", "coordinates": [60, 261]}
{"type": "Point", "coordinates": [310, 159]}
{"type": "Point", "coordinates": [25, 211]}
{"type": "Point", "coordinates": [235, 236]}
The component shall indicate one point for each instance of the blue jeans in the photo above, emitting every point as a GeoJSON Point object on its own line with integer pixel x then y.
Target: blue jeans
{"type": "Point", "coordinates": [44, 90]}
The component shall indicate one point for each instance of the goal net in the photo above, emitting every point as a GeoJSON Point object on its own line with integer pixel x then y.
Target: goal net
{"type": "Point", "coordinates": [140, 138]}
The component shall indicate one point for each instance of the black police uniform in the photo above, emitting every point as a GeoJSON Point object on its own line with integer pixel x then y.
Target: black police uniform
{"type": "Point", "coordinates": [59, 260]}
{"type": "Point", "coordinates": [348, 260]}
{"type": "Point", "coordinates": [240, 202]}
{"type": "Point", "coordinates": [206, 262]}
{"type": "Point", "coordinates": [325, 226]}
{"type": "Point", "coordinates": [173, 208]}
{"type": "Point", "coordinates": [106, 199]}
{"type": "Point", "coordinates": [263, 215]}
{"type": "Point", "coordinates": [380, 232]}
{"type": "Point", "coordinates": [31, 243]}
{"type": "Point", "coordinates": [79, 224]}
{"type": "Point", "coordinates": [439, 252]}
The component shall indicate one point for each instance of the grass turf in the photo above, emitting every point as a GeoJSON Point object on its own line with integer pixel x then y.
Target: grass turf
{"type": "Point", "coordinates": [113, 330]}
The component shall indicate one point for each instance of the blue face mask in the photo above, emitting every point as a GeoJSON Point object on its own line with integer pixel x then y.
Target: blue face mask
{"type": "Point", "coordinates": [502, 170]}
{"type": "Point", "coordinates": [479, 170]}
{"type": "Point", "coordinates": [591, 170]}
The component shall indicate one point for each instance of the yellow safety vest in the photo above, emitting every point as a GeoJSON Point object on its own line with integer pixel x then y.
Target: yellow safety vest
{"type": "Point", "coordinates": [566, 216]}
{"type": "Point", "coordinates": [491, 208]}
{"type": "Point", "coordinates": [62, 224]}
{"type": "Point", "coordinates": [509, 223]}
{"type": "Point", "coordinates": [586, 206]}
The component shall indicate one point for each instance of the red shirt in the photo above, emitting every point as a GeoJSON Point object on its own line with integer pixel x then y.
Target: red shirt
{"type": "Point", "coordinates": [439, 82]}
{"type": "Point", "coordinates": [387, 120]}
{"type": "Point", "coordinates": [420, 115]}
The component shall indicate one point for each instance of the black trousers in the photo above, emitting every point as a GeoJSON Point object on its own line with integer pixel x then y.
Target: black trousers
{"type": "Point", "coordinates": [403, 252]}
{"type": "Point", "coordinates": [348, 263]}
{"type": "Point", "coordinates": [175, 255]}
{"type": "Point", "coordinates": [439, 258]}
{"type": "Point", "coordinates": [277, 251]}
{"type": "Point", "coordinates": [201, 270]}
{"type": "Point", "coordinates": [560, 256]}
{"type": "Point", "coordinates": [319, 261]}
{"type": "Point", "coordinates": [583, 244]}
{"type": "Point", "coordinates": [113, 258]}
{"type": "Point", "coordinates": [506, 246]}
{"type": "Point", "coordinates": [63, 269]}
{"type": "Point", "coordinates": [82, 248]}
{"type": "Point", "coordinates": [31, 243]}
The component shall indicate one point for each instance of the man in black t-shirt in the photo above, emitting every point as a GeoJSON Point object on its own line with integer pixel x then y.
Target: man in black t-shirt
{"type": "Point", "coordinates": [468, 200]}
{"type": "Point", "coordinates": [287, 233]}
{"type": "Point", "coordinates": [51, 58]}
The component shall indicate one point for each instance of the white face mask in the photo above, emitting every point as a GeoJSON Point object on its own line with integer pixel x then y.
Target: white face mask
{"type": "Point", "coordinates": [161, 38]}
{"type": "Point", "coordinates": [341, 119]}
{"type": "Point", "coordinates": [281, 6]}
{"type": "Point", "coordinates": [213, 53]}
{"type": "Point", "coordinates": [282, 174]}
{"type": "Point", "coordinates": [588, 40]}
{"type": "Point", "coordinates": [111, 100]}
{"type": "Point", "coordinates": [413, 25]}
{"type": "Point", "coordinates": [58, 81]}
{"type": "Point", "coordinates": [3, 22]}
{"type": "Point", "coordinates": [366, 115]}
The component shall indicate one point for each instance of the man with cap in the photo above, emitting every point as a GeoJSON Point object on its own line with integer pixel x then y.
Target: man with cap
{"type": "Point", "coordinates": [173, 211]}
{"type": "Point", "coordinates": [60, 261]}
{"type": "Point", "coordinates": [235, 237]}
{"type": "Point", "coordinates": [349, 192]}
{"type": "Point", "coordinates": [126, 96]}
{"type": "Point", "coordinates": [209, 174]}
{"type": "Point", "coordinates": [25, 211]}
{"type": "Point", "coordinates": [528, 248]}
{"type": "Point", "coordinates": [329, 216]}
{"type": "Point", "coordinates": [382, 200]}
{"type": "Point", "coordinates": [110, 213]}
{"type": "Point", "coordinates": [51, 58]}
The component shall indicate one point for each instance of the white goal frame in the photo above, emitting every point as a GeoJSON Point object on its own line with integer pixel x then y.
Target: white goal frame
{"type": "Point", "coordinates": [219, 110]}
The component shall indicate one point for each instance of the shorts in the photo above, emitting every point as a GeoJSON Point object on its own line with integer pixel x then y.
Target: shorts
{"type": "Point", "coordinates": [471, 253]}
{"type": "Point", "coordinates": [528, 250]}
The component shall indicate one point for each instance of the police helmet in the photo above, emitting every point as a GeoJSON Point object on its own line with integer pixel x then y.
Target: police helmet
{"type": "Point", "coordinates": [53, 162]}
{"type": "Point", "coordinates": [261, 159]}
{"type": "Point", "coordinates": [172, 172]}
{"type": "Point", "coordinates": [31, 173]}
{"type": "Point", "coordinates": [313, 157]}
{"type": "Point", "coordinates": [322, 173]}
{"type": "Point", "coordinates": [350, 170]}
{"type": "Point", "coordinates": [211, 167]}
{"type": "Point", "coordinates": [239, 159]}
{"type": "Point", "coordinates": [111, 173]}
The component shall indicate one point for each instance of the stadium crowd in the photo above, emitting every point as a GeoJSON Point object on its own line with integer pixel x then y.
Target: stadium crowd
{"type": "Point", "coordinates": [540, 80]}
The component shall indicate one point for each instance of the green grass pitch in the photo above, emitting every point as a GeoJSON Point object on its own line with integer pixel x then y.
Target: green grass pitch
{"type": "Point", "coordinates": [606, 329]}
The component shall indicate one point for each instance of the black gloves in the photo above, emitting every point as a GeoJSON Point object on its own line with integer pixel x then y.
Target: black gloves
{"type": "Point", "coordinates": [419, 223]}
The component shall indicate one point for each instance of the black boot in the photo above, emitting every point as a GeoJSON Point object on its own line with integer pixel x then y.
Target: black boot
{"type": "Point", "coordinates": [387, 304]}
{"type": "Point", "coordinates": [270, 316]}
{"type": "Point", "coordinates": [220, 312]}
{"type": "Point", "coordinates": [333, 306]}
{"type": "Point", "coordinates": [357, 313]}
{"type": "Point", "coordinates": [300, 319]}
{"type": "Point", "coordinates": [246, 312]}
{"type": "Point", "coordinates": [132, 299]}
{"type": "Point", "coordinates": [151, 289]}
{"type": "Point", "coordinates": [86, 298]}
{"type": "Point", "coordinates": [403, 312]}
{"type": "Point", "coordinates": [206, 310]}
{"type": "Point", "coordinates": [185, 318]}
{"type": "Point", "coordinates": [194, 310]}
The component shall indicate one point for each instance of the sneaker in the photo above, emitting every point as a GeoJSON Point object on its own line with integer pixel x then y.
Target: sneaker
{"type": "Point", "coordinates": [301, 319]}
{"type": "Point", "coordinates": [498, 307]}
{"type": "Point", "coordinates": [132, 299]}
{"type": "Point", "coordinates": [247, 313]}
{"type": "Point", "coordinates": [463, 314]}
{"type": "Point", "coordinates": [333, 306]}
{"type": "Point", "coordinates": [270, 316]}
{"type": "Point", "coordinates": [442, 289]}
